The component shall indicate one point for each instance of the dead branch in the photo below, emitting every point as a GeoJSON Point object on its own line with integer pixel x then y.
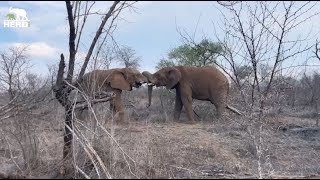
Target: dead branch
{"type": "Point", "coordinates": [72, 38]}
{"type": "Point", "coordinates": [81, 105]}
{"type": "Point", "coordinates": [317, 51]}
{"type": "Point", "coordinates": [95, 39]}
{"type": "Point", "coordinates": [227, 3]}
{"type": "Point", "coordinates": [85, 16]}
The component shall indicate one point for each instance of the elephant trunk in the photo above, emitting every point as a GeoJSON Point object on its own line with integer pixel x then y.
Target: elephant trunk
{"type": "Point", "coordinates": [149, 94]}
{"type": "Point", "coordinates": [150, 86]}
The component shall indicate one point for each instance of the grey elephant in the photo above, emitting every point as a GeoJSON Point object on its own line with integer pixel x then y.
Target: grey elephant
{"type": "Point", "coordinates": [202, 83]}
{"type": "Point", "coordinates": [112, 80]}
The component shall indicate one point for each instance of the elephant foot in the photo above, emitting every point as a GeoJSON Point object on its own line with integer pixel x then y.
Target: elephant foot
{"type": "Point", "coordinates": [120, 119]}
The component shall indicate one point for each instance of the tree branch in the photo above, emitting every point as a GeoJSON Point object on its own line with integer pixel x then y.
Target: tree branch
{"type": "Point", "coordinates": [72, 38]}
{"type": "Point", "coordinates": [98, 33]}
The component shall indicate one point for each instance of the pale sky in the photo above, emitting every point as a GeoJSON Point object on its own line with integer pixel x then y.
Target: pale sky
{"type": "Point", "coordinates": [151, 31]}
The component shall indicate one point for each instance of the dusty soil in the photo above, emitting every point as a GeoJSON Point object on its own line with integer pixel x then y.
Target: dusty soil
{"type": "Point", "coordinates": [152, 147]}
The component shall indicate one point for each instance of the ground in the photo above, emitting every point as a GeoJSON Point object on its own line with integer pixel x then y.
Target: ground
{"type": "Point", "coordinates": [151, 145]}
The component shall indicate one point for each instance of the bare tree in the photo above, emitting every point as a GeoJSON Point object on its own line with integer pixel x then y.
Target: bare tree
{"type": "Point", "coordinates": [12, 65]}
{"type": "Point", "coordinates": [23, 88]}
{"type": "Point", "coordinates": [21, 93]}
{"type": "Point", "coordinates": [103, 59]}
{"type": "Point", "coordinates": [310, 85]}
{"type": "Point", "coordinates": [258, 35]}
{"type": "Point", "coordinates": [127, 56]}
{"type": "Point", "coordinates": [263, 38]}
{"type": "Point", "coordinates": [264, 32]}
{"type": "Point", "coordinates": [107, 56]}
{"type": "Point", "coordinates": [317, 50]}
{"type": "Point", "coordinates": [77, 16]}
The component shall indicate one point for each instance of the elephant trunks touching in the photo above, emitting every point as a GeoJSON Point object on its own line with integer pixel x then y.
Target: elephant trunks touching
{"type": "Point", "coordinates": [98, 83]}
{"type": "Point", "coordinates": [233, 110]}
{"type": "Point", "coordinates": [149, 95]}
{"type": "Point", "coordinates": [150, 84]}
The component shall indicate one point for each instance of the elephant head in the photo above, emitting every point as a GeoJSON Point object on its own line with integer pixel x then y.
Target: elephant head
{"type": "Point", "coordinates": [168, 76]}
{"type": "Point", "coordinates": [126, 78]}
{"type": "Point", "coordinates": [119, 78]}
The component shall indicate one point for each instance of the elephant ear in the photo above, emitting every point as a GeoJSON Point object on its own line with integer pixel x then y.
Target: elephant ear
{"type": "Point", "coordinates": [174, 76]}
{"type": "Point", "coordinates": [119, 82]}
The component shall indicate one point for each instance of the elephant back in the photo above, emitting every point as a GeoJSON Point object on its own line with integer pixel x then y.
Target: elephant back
{"type": "Point", "coordinates": [95, 81]}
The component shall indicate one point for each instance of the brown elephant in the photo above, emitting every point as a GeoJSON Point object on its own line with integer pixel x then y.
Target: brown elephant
{"type": "Point", "coordinates": [202, 83]}
{"type": "Point", "coordinates": [112, 80]}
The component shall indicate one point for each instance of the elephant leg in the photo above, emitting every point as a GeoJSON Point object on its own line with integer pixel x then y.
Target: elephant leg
{"type": "Point", "coordinates": [120, 111]}
{"type": "Point", "coordinates": [178, 106]}
{"type": "Point", "coordinates": [119, 106]}
{"type": "Point", "coordinates": [186, 97]}
{"type": "Point", "coordinates": [220, 105]}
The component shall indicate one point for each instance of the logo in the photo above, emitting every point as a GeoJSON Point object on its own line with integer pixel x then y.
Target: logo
{"type": "Point", "coordinates": [16, 18]}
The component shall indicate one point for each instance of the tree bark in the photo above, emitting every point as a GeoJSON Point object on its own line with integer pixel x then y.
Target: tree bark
{"type": "Point", "coordinates": [72, 38]}
{"type": "Point", "coordinates": [62, 91]}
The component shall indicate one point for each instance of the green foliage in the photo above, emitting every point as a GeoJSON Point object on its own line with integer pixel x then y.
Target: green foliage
{"type": "Point", "coordinates": [202, 54]}
{"type": "Point", "coordinates": [165, 63]}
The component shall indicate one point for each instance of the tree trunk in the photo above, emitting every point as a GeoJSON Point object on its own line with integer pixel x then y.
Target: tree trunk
{"type": "Point", "coordinates": [62, 93]}
{"type": "Point", "coordinates": [67, 148]}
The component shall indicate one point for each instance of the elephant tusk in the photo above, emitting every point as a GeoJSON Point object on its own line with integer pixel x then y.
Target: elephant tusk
{"type": "Point", "coordinates": [150, 84]}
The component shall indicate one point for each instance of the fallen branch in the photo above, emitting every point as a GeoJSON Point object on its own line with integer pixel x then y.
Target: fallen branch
{"type": "Point", "coordinates": [295, 177]}
{"type": "Point", "coordinates": [306, 131]}
{"type": "Point", "coordinates": [196, 114]}
{"type": "Point", "coordinates": [100, 97]}
{"type": "Point", "coordinates": [82, 104]}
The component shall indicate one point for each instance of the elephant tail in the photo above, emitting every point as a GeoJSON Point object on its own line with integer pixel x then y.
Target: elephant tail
{"type": "Point", "coordinates": [233, 110]}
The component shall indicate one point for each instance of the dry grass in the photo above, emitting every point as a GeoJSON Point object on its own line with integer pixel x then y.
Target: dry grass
{"type": "Point", "coordinates": [151, 145]}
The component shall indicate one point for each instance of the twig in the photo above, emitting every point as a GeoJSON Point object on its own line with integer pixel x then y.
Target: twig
{"type": "Point", "coordinates": [11, 156]}
{"type": "Point", "coordinates": [83, 173]}
{"type": "Point", "coordinates": [95, 101]}
{"type": "Point", "coordinates": [117, 144]}
{"type": "Point", "coordinates": [84, 142]}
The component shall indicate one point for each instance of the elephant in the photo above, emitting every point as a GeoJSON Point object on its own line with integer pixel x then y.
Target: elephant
{"type": "Point", "coordinates": [112, 80]}
{"type": "Point", "coordinates": [206, 83]}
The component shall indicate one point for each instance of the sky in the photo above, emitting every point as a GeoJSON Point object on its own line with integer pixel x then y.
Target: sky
{"type": "Point", "coordinates": [151, 30]}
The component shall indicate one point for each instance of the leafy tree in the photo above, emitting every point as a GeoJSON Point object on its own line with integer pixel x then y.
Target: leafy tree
{"type": "Point", "coordinates": [201, 54]}
{"type": "Point", "coordinates": [165, 63]}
